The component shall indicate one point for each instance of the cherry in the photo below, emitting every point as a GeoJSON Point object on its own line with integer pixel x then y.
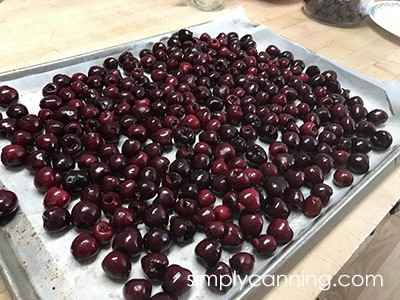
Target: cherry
{"type": "Point", "coordinates": [154, 265]}
{"type": "Point", "coordinates": [214, 229]}
{"type": "Point", "coordinates": [85, 214]}
{"type": "Point", "coordinates": [122, 218]}
{"type": "Point", "coordinates": [156, 215]}
{"type": "Point", "coordinates": [13, 155]}
{"type": "Point", "coordinates": [381, 140]}
{"type": "Point", "coordinates": [103, 232]}
{"type": "Point", "coordinates": [56, 219]}
{"type": "Point", "coordinates": [177, 280]}
{"type": "Point", "coordinates": [277, 208]}
{"type": "Point", "coordinates": [157, 239]}
{"type": "Point", "coordinates": [8, 202]}
{"type": "Point", "coordinates": [84, 247]}
{"type": "Point", "coordinates": [233, 236]}
{"type": "Point", "coordinates": [56, 196]}
{"type": "Point", "coordinates": [128, 241]}
{"type": "Point", "coordinates": [209, 251]}
{"type": "Point", "coordinates": [280, 230]}
{"type": "Point", "coordinates": [219, 278]}
{"type": "Point", "coordinates": [264, 244]}
{"type": "Point", "coordinates": [312, 206]}
{"type": "Point", "coordinates": [250, 199]}
{"type": "Point", "coordinates": [223, 213]}
{"type": "Point", "coordinates": [116, 265]}
{"type": "Point", "coordinates": [46, 178]}
{"type": "Point", "coordinates": [358, 163]}
{"type": "Point", "coordinates": [182, 229]}
{"type": "Point", "coordinates": [242, 263]}
{"type": "Point", "coordinates": [8, 95]}
{"type": "Point", "coordinates": [251, 224]}
{"type": "Point", "coordinates": [343, 178]}
{"type": "Point", "coordinates": [322, 191]}
{"type": "Point", "coordinates": [137, 289]}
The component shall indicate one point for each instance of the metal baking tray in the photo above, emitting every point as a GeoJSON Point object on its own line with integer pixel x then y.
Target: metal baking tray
{"type": "Point", "coordinates": [37, 265]}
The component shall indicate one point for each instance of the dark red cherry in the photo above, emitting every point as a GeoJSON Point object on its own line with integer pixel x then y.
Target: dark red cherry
{"type": "Point", "coordinates": [312, 206]}
{"type": "Point", "coordinates": [220, 278]}
{"type": "Point", "coordinates": [381, 140]}
{"type": "Point", "coordinates": [13, 155]}
{"type": "Point", "coordinates": [8, 202]}
{"type": "Point", "coordinates": [154, 265]}
{"type": "Point", "coordinates": [103, 232]}
{"type": "Point", "coordinates": [242, 263]}
{"type": "Point", "coordinates": [137, 289]}
{"type": "Point", "coordinates": [264, 244]}
{"type": "Point", "coordinates": [343, 178]}
{"type": "Point", "coordinates": [56, 219]}
{"type": "Point", "coordinates": [157, 239]}
{"type": "Point", "coordinates": [182, 229]}
{"type": "Point", "coordinates": [250, 199]}
{"type": "Point", "coordinates": [209, 251]}
{"type": "Point", "coordinates": [280, 230]}
{"type": "Point", "coordinates": [129, 241]}
{"type": "Point", "coordinates": [251, 224]}
{"type": "Point", "coordinates": [84, 247]}
{"type": "Point", "coordinates": [85, 214]}
{"type": "Point", "coordinates": [116, 265]}
{"type": "Point", "coordinates": [8, 95]}
{"type": "Point", "coordinates": [277, 208]}
{"type": "Point", "coordinates": [56, 196]}
{"type": "Point", "coordinates": [177, 280]}
{"type": "Point", "coordinates": [47, 177]}
{"type": "Point", "coordinates": [233, 236]}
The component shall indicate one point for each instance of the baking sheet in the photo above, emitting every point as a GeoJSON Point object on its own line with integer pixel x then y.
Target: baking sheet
{"type": "Point", "coordinates": [44, 261]}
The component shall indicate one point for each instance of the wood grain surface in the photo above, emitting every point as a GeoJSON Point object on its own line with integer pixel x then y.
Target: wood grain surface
{"type": "Point", "coordinates": [34, 32]}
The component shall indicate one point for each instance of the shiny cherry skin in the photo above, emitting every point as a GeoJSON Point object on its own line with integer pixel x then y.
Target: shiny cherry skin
{"type": "Point", "coordinates": [154, 265]}
{"type": "Point", "coordinates": [56, 219]}
{"type": "Point", "coordinates": [122, 218]}
{"type": "Point", "coordinates": [157, 239]}
{"type": "Point", "coordinates": [343, 178]}
{"type": "Point", "coordinates": [8, 202]}
{"type": "Point", "coordinates": [13, 155]}
{"type": "Point", "coordinates": [251, 224]}
{"type": "Point", "coordinates": [220, 278]}
{"type": "Point", "coordinates": [116, 265]}
{"type": "Point", "coordinates": [177, 280]}
{"type": "Point", "coordinates": [103, 232]}
{"type": "Point", "coordinates": [129, 241]}
{"type": "Point", "coordinates": [8, 95]}
{"type": "Point", "coordinates": [84, 247]}
{"type": "Point", "coordinates": [312, 206]}
{"type": "Point", "coordinates": [182, 229]}
{"type": "Point", "coordinates": [56, 196]}
{"type": "Point", "coordinates": [209, 251]}
{"type": "Point", "coordinates": [137, 289]}
{"type": "Point", "coordinates": [85, 214]}
{"type": "Point", "coordinates": [280, 230]}
{"type": "Point", "coordinates": [242, 263]}
{"type": "Point", "coordinates": [233, 237]}
{"type": "Point", "coordinates": [46, 178]}
{"type": "Point", "coordinates": [277, 208]}
{"type": "Point", "coordinates": [250, 199]}
{"type": "Point", "coordinates": [264, 244]}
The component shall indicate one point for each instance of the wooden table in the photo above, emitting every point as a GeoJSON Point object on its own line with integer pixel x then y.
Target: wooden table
{"type": "Point", "coordinates": [33, 32]}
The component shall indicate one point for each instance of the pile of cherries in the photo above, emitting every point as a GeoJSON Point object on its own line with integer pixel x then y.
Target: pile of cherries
{"type": "Point", "coordinates": [251, 136]}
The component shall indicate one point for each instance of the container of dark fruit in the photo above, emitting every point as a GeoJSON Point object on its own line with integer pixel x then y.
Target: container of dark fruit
{"type": "Point", "coordinates": [342, 13]}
